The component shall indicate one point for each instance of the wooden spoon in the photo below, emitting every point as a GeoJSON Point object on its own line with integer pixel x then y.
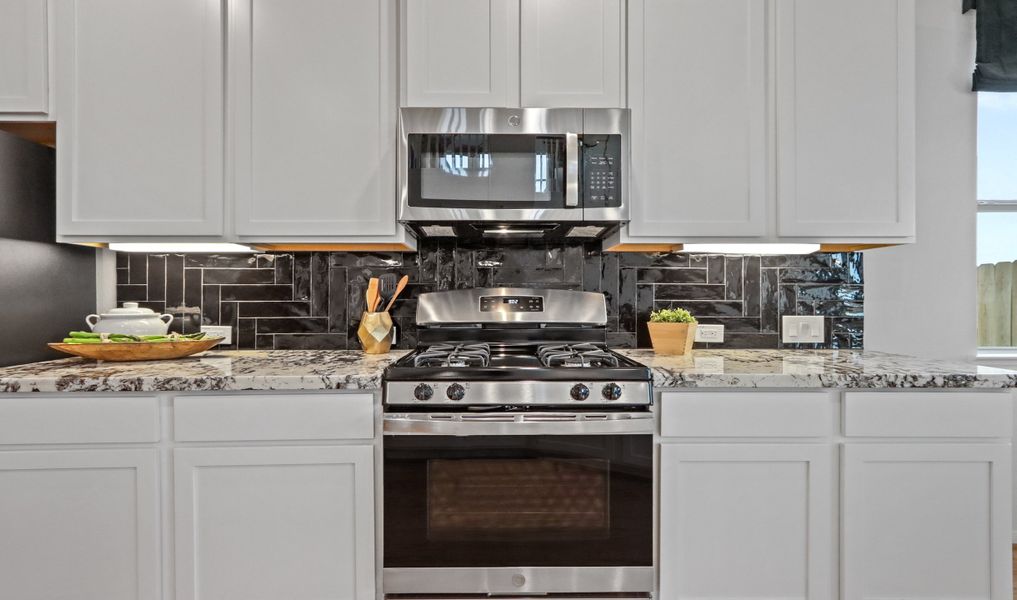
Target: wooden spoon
{"type": "Point", "coordinates": [372, 294]}
{"type": "Point", "coordinates": [399, 289]}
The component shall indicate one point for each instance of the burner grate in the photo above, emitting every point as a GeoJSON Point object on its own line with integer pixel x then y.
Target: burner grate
{"type": "Point", "coordinates": [454, 355]}
{"type": "Point", "coordinates": [576, 355]}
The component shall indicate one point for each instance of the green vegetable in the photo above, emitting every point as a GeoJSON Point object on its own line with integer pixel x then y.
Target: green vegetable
{"type": "Point", "coordinates": [87, 337]}
{"type": "Point", "coordinates": [672, 315]}
{"type": "Point", "coordinates": [84, 334]}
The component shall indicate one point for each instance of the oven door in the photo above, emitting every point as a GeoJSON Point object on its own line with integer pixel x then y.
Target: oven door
{"type": "Point", "coordinates": [543, 506]}
{"type": "Point", "coordinates": [486, 164]}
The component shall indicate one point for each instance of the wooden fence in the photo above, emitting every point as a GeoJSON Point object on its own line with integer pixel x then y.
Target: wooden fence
{"type": "Point", "coordinates": [997, 304]}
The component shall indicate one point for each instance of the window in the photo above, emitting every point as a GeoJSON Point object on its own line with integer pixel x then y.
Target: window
{"type": "Point", "coordinates": [997, 223]}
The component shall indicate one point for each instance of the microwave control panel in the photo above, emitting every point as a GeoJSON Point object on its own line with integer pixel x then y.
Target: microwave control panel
{"type": "Point", "coordinates": [601, 171]}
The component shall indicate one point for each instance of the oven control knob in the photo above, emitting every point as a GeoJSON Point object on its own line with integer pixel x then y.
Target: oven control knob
{"type": "Point", "coordinates": [612, 391]}
{"type": "Point", "coordinates": [455, 392]}
{"type": "Point", "coordinates": [423, 392]}
{"type": "Point", "coordinates": [580, 392]}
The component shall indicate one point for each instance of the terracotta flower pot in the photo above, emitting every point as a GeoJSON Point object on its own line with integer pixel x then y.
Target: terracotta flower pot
{"type": "Point", "coordinates": [672, 338]}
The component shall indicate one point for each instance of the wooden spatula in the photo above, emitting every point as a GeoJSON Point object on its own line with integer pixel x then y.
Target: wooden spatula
{"type": "Point", "coordinates": [398, 290]}
{"type": "Point", "coordinates": [372, 294]}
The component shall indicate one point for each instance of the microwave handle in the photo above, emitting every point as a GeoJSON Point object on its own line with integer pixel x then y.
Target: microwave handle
{"type": "Point", "coordinates": [572, 169]}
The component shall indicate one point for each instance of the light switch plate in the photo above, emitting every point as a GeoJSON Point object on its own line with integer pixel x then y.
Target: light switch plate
{"type": "Point", "coordinates": [223, 331]}
{"type": "Point", "coordinates": [802, 330]}
{"type": "Point", "coordinates": [713, 334]}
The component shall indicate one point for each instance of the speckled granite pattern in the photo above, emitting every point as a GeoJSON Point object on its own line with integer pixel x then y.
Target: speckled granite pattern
{"type": "Point", "coordinates": [340, 369]}
{"type": "Point", "coordinates": [231, 370]}
{"type": "Point", "coordinates": [815, 369]}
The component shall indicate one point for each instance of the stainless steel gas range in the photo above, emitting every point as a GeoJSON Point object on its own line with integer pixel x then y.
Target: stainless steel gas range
{"type": "Point", "coordinates": [518, 451]}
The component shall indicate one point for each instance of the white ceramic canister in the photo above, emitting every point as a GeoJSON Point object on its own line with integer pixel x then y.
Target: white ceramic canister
{"type": "Point", "coordinates": [131, 319]}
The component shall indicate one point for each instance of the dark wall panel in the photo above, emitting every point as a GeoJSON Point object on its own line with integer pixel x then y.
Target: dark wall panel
{"type": "Point", "coordinates": [46, 289]}
{"type": "Point", "coordinates": [314, 300]}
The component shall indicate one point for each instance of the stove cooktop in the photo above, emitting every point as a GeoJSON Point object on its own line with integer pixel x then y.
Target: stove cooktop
{"type": "Point", "coordinates": [486, 362]}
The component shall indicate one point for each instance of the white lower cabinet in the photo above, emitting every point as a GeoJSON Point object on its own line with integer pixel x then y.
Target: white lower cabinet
{"type": "Point", "coordinates": [746, 520]}
{"type": "Point", "coordinates": [926, 521]}
{"type": "Point", "coordinates": [79, 525]}
{"type": "Point", "coordinates": [267, 523]}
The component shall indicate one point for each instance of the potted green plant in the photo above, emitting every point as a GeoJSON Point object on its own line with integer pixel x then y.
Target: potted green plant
{"type": "Point", "coordinates": [672, 331]}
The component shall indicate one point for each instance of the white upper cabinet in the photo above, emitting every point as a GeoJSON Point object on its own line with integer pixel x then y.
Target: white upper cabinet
{"type": "Point", "coordinates": [313, 107]}
{"type": "Point", "coordinates": [509, 53]}
{"type": "Point", "coordinates": [140, 138]}
{"type": "Point", "coordinates": [572, 53]}
{"type": "Point", "coordinates": [697, 89]}
{"type": "Point", "coordinates": [461, 53]}
{"type": "Point", "coordinates": [845, 118]}
{"type": "Point", "coordinates": [24, 68]}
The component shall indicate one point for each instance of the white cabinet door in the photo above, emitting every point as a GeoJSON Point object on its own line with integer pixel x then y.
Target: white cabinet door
{"type": "Point", "coordinates": [24, 71]}
{"type": "Point", "coordinates": [697, 90]}
{"type": "Point", "coordinates": [314, 107]}
{"type": "Point", "coordinates": [271, 523]}
{"type": "Point", "coordinates": [572, 53]}
{"type": "Point", "coordinates": [79, 524]}
{"type": "Point", "coordinates": [461, 53]}
{"type": "Point", "coordinates": [746, 520]}
{"type": "Point", "coordinates": [845, 118]}
{"type": "Point", "coordinates": [926, 521]}
{"type": "Point", "coordinates": [140, 142]}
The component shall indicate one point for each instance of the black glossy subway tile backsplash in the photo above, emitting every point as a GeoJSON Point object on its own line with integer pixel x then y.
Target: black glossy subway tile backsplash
{"type": "Point", "coordinates": [315, 299]}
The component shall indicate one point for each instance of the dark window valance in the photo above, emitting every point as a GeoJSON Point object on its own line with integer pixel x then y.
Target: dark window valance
{"type": "Point", "coordinates": [996, 55]}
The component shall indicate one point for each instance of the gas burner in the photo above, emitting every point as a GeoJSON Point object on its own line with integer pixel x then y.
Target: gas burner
{"type": "Point", "coordinates": [576, 355]}
{"type": "Point", "coordinates": [454, 355]}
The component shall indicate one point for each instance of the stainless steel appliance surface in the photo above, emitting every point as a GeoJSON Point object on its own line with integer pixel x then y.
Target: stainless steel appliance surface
{"type": "Point", "coordinates": [513, 173]}
{"type": "Point", "coordinates": [518, 451]}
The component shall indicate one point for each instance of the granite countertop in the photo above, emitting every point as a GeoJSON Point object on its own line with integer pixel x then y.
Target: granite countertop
{"type": "Point", "coordinates": [815, 369]}
{"type": "Point", "coordinates": [339, 370]}
{"type": "Point", "coordinates": [227, 370]}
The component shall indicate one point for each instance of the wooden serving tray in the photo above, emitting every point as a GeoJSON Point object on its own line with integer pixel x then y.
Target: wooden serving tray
{"type": "Point", "coordinates": [131, 351]}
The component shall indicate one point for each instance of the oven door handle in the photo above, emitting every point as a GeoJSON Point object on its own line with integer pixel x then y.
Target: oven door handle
{"type": "Point", "coordinates": [455, 424]}
{"type": "Point", "coordinates": [571, 169]}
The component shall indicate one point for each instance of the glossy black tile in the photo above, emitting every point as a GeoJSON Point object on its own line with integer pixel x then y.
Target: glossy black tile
{"type": "Point", "coordinates": [315, 300]}
{"type": "Point", "coordinates": [672, 275]}
{"type": "Point", "coordinates": [156, 278]}
{"type": "Point", "coordinates": [292, 325]}
{"type": "Point", "coordinates": [272, 309]}
{"type": "Point", "coordinates": [249, 276]}
{"type": "Point", "coordinates": [257, 292]}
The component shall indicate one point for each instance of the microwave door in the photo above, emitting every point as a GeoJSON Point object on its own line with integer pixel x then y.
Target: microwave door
{"type": "Point", "coordinates": [492, 177]}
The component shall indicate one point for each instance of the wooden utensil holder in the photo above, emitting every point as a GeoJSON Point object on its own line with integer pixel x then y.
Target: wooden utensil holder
{"type": "Point", "coordinates": [375, 332]}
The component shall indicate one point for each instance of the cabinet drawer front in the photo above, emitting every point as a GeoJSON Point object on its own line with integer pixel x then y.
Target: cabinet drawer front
{"type": "Point", "coordinates": [75, 419]}
{"type": "Point", "coordinates": [746, 414]}
{"type": "Point", "coordinates": [273, 417]}
{"type": "Point", "coordinates": [928, 414]}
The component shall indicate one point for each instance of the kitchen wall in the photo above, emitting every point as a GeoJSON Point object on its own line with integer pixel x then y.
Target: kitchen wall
{"type": "Point", "coordinates": [922, 295]}
{"type": "Point", "coordinates": [314, 300]}
{"type": "Point", "coordinates": [47, 288]}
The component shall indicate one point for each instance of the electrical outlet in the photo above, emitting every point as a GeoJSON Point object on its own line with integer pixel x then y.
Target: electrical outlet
{"type": "Point", "coordinates": [713, 334]}
{"type": "Point", "coordinates": [802, 330]}
{"type": "Point", "coordinates": [223, 331]}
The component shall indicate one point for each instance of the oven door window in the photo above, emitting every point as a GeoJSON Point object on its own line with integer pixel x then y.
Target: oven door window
{"type": "Point", "coordinates": [486, 171]}
{"type": "Point", "coordinates": [507, 501]}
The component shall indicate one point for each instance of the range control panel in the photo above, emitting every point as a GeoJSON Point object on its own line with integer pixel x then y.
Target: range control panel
{"type": "Point", "coordinates": [511, 304]}
{"type": "Point", "coordinates": [601, 171]}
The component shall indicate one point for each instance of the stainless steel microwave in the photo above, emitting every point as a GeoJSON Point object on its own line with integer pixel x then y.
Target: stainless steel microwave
{"type": "Point", "coordinates": [505, 171]}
